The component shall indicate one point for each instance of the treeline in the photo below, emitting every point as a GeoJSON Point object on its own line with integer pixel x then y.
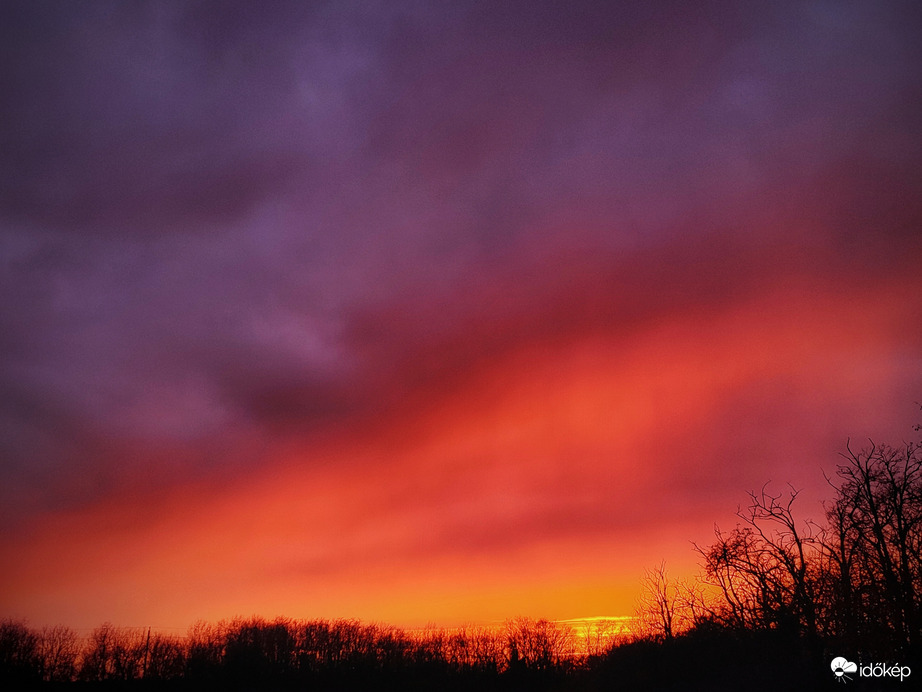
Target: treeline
{"type": "Point", "coordinates": [283, 653]}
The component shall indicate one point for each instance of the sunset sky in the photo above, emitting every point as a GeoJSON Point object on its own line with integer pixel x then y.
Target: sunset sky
{"type": "Point", "coordinates": [437, 312]}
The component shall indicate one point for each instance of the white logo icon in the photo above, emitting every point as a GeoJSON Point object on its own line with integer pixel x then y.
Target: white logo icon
{"type": "Point", "coordinates": [840, 666]}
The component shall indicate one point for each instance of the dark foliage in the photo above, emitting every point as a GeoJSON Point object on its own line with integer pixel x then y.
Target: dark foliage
{"type": "Point", "coordinates": [712, 658]}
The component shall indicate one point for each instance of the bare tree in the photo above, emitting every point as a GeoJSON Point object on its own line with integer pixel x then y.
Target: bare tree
{"type": "Point", "coordinates": [536, 644]}
{"type": "Point", "coordinates": [115, 653]}
{"type": "Point", "coordinates": [601, 634]}
{"type": "Point", "coordinates": [19, 656]}
{"type": "Point", "coordinates": [768, 569]}
{"type": "Point", "coordinates": [204, 650]}
{"type": "Point", "coordinates": [58, 648]}
{"type": "Point", "coordinates": [96, 663]}
{"type": "Point", "coordinates": [656, 611]}
{"type": "Point", "coordinates": [165, 658]}
{"type": "Point", "coordinates": [484, 649]}
{"type": "Point", "coordinates": [875, 543]}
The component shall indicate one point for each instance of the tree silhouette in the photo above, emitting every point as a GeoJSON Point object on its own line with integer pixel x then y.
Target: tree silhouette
{"type": "Point", "coordinates": [768, 569]}
{"type": "Point", "coordinates": [58, 649]}
{"type": "Point", "coordinates": [19, 652]}
{"type": "Point", "coordinates": [875, 546]}
{"type": "Point", "coordinates": [657, 612]}
{"type": "Point", "coordinates": [854, 583]}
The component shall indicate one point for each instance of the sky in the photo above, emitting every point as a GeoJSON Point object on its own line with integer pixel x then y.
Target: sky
{"type": "Point", "coordinates": [438, 312]}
